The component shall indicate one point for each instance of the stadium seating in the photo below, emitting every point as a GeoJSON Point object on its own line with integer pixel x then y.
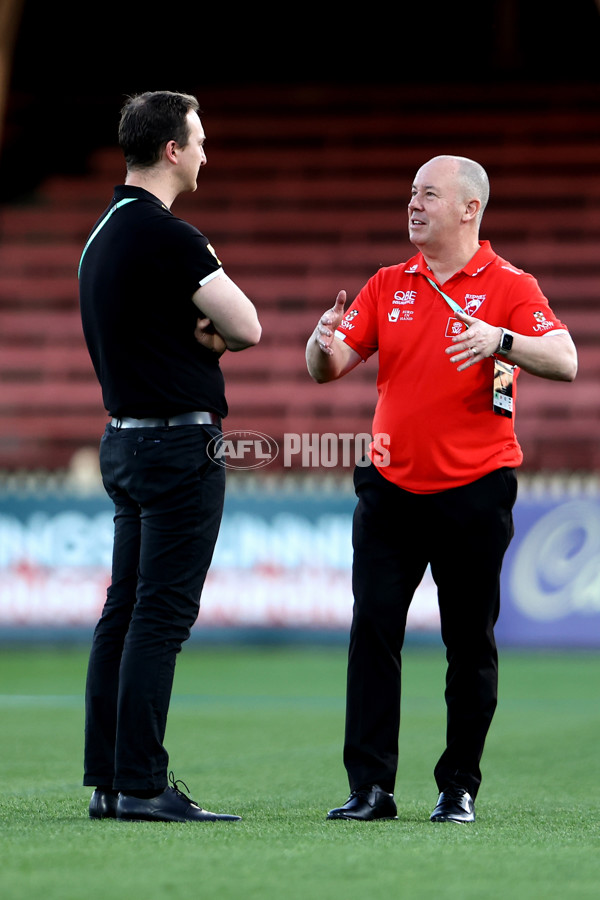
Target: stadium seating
{"type": "Point", "coordinates": [305, 194]}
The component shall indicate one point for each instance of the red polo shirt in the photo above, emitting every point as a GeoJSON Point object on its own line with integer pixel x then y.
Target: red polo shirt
{"type": "Point", "coordinates": [442, 430]}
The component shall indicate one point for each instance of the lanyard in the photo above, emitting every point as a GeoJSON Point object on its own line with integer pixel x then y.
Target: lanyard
{"type": "Point", "coordinates": [451, 303]}
{"type": "Point", "coordinates": [102, 223]}
{"type": "Point", "coordinates": [504, 373]}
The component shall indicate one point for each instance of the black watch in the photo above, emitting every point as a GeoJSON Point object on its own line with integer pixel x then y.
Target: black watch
{"type": "Point", "coordinates": [506, 342]}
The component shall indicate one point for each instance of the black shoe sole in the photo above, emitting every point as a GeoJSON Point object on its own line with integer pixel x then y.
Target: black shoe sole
{"type": "Point", "coordinates": [184, 820]}
{"type": "Point", "coordinates": [358, 819]}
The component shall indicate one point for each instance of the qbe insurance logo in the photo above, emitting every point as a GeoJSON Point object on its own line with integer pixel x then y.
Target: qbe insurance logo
{"type": "Point", "coordinates": [243, 449]}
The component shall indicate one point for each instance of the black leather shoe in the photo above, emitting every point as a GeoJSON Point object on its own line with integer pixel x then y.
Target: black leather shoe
{"type": "Point", "coordinates": [170, 806]}
{"type": "Point", "coordinates": [454, 805]}
{"type": "Point", "coordinates": [367, 804]}
{"type": "Point", "coordinates": [103, 805]}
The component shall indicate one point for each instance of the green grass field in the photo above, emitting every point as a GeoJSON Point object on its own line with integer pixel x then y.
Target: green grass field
{"type": "Point", "coordinates": [259, 732]}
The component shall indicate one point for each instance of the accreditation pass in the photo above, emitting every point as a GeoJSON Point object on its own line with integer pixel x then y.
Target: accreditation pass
{"type": "Point", "coordinates": [503, 388]}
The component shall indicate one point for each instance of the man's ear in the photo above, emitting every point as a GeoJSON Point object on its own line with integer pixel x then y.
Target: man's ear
{"type": "Point", "coordinates": [171, 148]}
{"type": "Point", "coordinates": [472, 210]}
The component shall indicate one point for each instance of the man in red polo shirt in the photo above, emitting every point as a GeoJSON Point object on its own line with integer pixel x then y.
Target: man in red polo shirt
{"type": "Point", "coordinates": [453, 326]}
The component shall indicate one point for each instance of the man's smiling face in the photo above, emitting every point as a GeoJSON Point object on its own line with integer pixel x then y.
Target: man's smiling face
{"type": "Point", "coordinates": [436, 206]}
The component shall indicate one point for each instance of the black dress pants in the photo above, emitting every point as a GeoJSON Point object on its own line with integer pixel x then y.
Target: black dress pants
{"type": "Point", "coordinates": [463, 533]}
{"type": "Point", "coordinates": [168, 496]}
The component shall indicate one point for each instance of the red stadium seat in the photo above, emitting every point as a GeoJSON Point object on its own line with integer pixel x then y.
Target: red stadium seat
{"type": "Point", "coordinates": [304, 195]}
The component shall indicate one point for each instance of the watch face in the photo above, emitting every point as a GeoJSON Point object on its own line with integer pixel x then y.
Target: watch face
{"type": "Point", "coordinates": [506, 343]}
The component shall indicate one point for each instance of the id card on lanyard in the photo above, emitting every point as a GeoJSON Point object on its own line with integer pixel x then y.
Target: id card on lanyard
{"type": "Point", "coordinates": [503, 400]}
{"type": "Point", "coordinates": [504, 373]}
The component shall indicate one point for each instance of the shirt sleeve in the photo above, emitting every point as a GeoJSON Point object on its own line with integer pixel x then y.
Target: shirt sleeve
{"type": "Point", "coordinates": [530, 310]}
{"type": "Point", "coordinates": [194, 261]}
{"type": "Point", "coordinates": [359, 327]}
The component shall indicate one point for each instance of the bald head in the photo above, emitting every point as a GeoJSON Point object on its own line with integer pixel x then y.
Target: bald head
{"type": "Point", "coordinates": [448, 197]}
{"type": "Point", "coordinates": [471, 177]}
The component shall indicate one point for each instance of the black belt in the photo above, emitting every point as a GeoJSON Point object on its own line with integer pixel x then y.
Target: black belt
{"type": "Point", "coordinates": [191, 418]}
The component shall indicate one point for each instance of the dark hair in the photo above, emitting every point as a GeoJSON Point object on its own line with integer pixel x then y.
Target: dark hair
{"type": "Point", "coordinates": [149, 121]}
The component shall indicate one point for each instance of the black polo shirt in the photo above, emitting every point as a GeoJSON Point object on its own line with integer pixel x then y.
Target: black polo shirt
{"type": "Point", "coordinates": [137, 277]}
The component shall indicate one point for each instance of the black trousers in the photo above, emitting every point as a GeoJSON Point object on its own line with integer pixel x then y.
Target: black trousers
{"type": "Point", "coordinates": [463, 533]}
{"type": "Point", "coordinates": [168, 496]}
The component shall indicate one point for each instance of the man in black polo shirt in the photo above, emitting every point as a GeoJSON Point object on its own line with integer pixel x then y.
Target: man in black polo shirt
{"type": "Point", "coordinates": [157, 312]}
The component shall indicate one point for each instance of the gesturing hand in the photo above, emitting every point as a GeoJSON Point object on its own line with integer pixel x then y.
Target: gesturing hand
{"type": "Point", "coordinates": [328, 323]}
{"type": "Point", "coordinates": [477, 342]}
